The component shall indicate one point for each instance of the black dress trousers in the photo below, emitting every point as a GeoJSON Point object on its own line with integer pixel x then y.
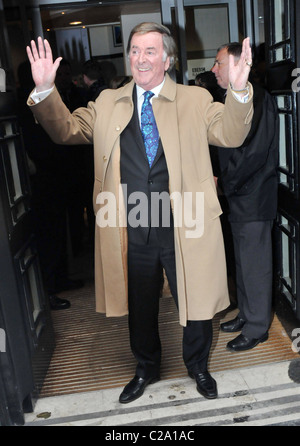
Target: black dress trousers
{"type": "Point", "coordinates": [145, 274]}
{"type": "Point", "coordinates": [254, 275]}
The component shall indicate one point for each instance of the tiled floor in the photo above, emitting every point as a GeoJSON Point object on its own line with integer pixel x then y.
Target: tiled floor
{"type": "Point", "coordinates": [254, 396]}
{"type": "Point", "coordinates": [249, 395]}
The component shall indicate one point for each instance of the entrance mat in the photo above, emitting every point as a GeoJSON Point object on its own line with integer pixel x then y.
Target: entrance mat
{"type": "Point", "coordinates": [93, 353]}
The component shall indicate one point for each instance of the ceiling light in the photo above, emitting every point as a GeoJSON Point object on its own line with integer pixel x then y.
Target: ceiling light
{"type": "Point", "coordinates": [75, 23]}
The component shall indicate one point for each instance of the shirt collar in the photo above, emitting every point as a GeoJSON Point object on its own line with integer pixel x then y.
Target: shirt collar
{"type": "Point", "coordinates": [156, 90]}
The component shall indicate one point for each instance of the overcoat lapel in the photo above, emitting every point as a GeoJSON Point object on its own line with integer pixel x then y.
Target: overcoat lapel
{"type": "Point", "coordinates": [165, 112]}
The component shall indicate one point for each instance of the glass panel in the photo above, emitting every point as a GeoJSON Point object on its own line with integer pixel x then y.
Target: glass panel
{"type": "Point", "coordinates": [285, 223]}
{"type": "Point", "coordinates": [28, 267]}
{"type": "Point", "coordinates": [281, 102]}
{"type": "Point", "coordinates": [294, 282]}
{"type": "Point", "coordinates": [6, 129]}
{"type": "Point", "coordinates": [284, 102]}
{"type": "Point", "coordinates": [17, 211]}
{"type": "Point", "coordinates": [278, 55]}
{"type": "Point", "coordinates": [259, 20]}
{"type": "Point", "coordinates": [281, 14]}
{"type": "Point", "coordinates": [285, 258]}
{"type": "Point", "coordinates": [289, 235]}
{"type": "Point", "coordinates": [281, 53]}
{"type": "Point", "coordinates": [291, 151]}
{"type": "Point", "coordinates": [282, 141]}
{"type": "Point", "coordinates": [14, 170]}
{"type": "Point", "coordinates": [34, 292]}
{"type": "Point", "coordinates": [201, 42]}
{"type": "Point", "coordinates": [283, 179]}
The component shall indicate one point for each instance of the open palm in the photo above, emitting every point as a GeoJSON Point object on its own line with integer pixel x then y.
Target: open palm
{"type": "Point", "coordinates": [239, 71]}
{"type": "Point", "coordinates": [43, 68]}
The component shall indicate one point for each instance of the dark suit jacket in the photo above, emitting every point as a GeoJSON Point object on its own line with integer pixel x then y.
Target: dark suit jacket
{"type": "Point", "coordinates": [140, 178]}
{"type": "Point", "coordinates": [248, 174]}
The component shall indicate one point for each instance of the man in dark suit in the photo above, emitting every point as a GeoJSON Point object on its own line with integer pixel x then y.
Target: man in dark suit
{"type": "Point", "coordinates": [249, 182]}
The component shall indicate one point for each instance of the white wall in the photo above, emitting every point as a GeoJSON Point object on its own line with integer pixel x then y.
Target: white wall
{"type": "Point", "coordinates": [102, 42]}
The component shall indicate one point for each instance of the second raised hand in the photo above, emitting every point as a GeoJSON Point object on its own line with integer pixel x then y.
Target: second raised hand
{"type": "Point", "coordinates": [43, 68]}
{"type": "Point", "coordinates": [239, 71]}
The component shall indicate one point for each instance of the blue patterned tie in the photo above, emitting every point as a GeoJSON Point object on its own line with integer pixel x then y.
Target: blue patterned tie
{"type": "Point", "coordinates": [149, 128]}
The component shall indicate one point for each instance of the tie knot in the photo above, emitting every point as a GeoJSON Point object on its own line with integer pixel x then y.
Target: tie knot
{"type": "Point", "coordinates": [148, 95]}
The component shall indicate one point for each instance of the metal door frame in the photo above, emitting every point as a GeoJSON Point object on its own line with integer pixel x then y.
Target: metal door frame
{"type": "Point", "coordinates": [283, 56]}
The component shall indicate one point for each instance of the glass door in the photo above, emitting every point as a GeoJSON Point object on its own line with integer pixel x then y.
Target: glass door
{"type": "Point", "coordinates": [282, 21]}
{"type": "Point", "coordinates": [200, 28]}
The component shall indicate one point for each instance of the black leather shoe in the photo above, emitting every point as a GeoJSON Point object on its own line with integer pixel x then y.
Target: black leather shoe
{"type": "Point", "coordinates": [242, 343]}
{"type": "Point", "coordinates": [232, 326]}
{"type": "Point", "coordinates": [135, 388]}
{"type": "Point", "coordinates": [206, 385]}
{"type": "Point", "coordinates": [56, 303]}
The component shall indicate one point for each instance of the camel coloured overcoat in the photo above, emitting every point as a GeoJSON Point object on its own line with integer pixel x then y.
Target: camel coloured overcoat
{"type": "Point", "coordinates": [188, 121]}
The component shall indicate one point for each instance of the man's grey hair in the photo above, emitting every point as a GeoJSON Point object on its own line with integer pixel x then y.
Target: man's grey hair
{"type": "Point", "coordinates": [170, 49]}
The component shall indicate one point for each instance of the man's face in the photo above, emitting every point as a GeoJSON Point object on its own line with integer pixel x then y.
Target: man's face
{"type": "Point", "coordinates": [221, 68]}
{"type": "Point", "coordinates": [146, 58]}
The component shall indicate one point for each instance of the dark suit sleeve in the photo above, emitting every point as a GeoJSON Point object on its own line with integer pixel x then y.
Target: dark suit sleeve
{"type": "Point", "coordinates": [239, 170]}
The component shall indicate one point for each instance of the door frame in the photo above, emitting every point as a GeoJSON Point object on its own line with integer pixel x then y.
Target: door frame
{"type": "Point", "coordinates": [281, 70]}
{"type": "Point", "coordinates": [179, 5]}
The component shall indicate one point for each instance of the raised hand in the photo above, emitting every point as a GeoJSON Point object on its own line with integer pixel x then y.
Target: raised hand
{"type": "Point", "coordinates": [43, 68]}
{"type": "Point", "coordinates": [239, 71]}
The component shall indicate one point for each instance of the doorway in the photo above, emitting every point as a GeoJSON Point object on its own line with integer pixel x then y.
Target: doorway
{"type": "Point", "coordinates": [186, 19]}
